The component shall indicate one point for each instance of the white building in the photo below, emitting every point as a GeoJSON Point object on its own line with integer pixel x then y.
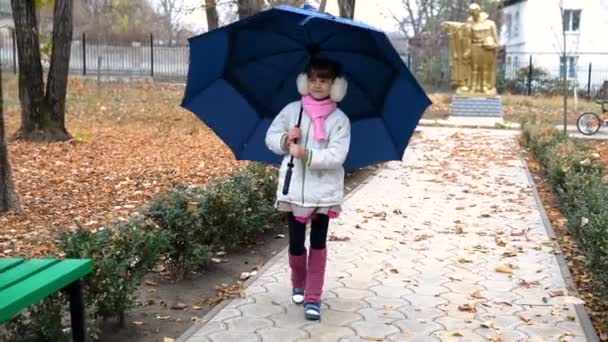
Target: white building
{"type": "Point", "coordinates": [534, 28]}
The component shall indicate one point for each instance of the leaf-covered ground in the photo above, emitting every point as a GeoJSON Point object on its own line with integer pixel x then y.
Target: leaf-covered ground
{"type": "Point", "coordinates": [131, 141]}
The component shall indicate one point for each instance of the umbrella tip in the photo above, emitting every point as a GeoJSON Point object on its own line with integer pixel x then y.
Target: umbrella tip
{"type": "Point", "coordinates": [309, 7]}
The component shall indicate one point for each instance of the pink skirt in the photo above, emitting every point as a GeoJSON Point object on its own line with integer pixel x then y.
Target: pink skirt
{"type": "Point", "coordinates": [304, 214]}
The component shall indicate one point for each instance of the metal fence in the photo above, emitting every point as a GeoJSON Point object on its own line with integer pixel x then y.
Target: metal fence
{"type": "Point", "coordinates": [518, 73]}
{"type": "Point", "coordinates": [531, 74]}
{"type": "Point", "coordinates": [137, 58]}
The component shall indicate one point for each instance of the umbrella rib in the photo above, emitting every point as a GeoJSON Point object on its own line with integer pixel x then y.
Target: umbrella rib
{"type": "Point", "coordinates": [258, 59]}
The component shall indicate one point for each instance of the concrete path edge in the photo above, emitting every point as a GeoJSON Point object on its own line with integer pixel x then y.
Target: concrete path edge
{"type": "Point", "coordinates": [581, 313]}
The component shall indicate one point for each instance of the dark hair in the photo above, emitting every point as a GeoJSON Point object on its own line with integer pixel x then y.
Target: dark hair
{"type": "Point", "coordinates": [323, 68]}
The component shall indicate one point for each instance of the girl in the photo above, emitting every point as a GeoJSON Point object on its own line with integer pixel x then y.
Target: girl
{"type": "Point", "coordinates": [319, 147]}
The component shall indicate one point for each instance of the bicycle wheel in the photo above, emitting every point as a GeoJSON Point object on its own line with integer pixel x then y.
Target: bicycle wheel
{"type": "Point", "coordinates": [588, 123]}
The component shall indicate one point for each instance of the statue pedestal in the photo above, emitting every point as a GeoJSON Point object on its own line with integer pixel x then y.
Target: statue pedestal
{"type": "Point", "coordinates": [477, 106]}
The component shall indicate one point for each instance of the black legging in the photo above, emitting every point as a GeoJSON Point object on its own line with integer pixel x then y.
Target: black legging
{"type": "Point", "coordinates": [297, 233]}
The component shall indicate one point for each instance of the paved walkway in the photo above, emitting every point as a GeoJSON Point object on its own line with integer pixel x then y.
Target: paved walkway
{"type": "Point", "coordinates": [430, 242]}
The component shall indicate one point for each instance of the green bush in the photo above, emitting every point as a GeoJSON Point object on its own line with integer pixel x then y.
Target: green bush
{"type": "Point", "coordinates": [41, 322]}
{"type": "Point", "coordinates": [582, 189]}
{"type": "Point", "coordinates": [188, 240]}
{"type": "Point", "coordinates": [226, 213]}
{"type": "Point", "coordinates": [121, 257]}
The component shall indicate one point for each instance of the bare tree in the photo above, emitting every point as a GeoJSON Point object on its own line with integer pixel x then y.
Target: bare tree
{"type": "Point", "coordinates": [42, 113]}
{"type": "Point", "coordinates": [212, 17]}
{"type": "Point", "coordinates": [169, 11]}
{"type": "Point", "coordinates": [8, 197]}
{"type": "Point", "coordinates": [347, 8]}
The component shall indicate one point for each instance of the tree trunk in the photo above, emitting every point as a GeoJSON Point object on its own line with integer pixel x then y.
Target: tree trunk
{"type": "Point", "coordinates": [42, 117]}
{"type": "Point", "coordinates": [57, 82]}
{"type": "Point", "coordinates": [8, 197]}
{"type": "Point", "coordinates": [211, 11]}
{"type": "Point", "coordinates": [347, 8]}
{"type": "Point", "coordinates": [248, 8]}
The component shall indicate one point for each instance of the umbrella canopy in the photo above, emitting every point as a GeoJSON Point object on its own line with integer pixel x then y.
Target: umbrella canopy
{"type": "Point", "coordinates": [242, 75]}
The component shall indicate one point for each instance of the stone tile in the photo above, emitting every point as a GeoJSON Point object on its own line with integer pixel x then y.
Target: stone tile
{"type": "Point", "coordinates": [379, 302]}
{"type": "Point", "coordinates": [549, 332]}
{"type": "Point", "coordinates": [247, 324]}
{"type": "Point", "coordinates": [348, 305]}
{"type": "Point", "coordinates": [321, 332]}
{"type": "Point", "coordinates": [340, 318]}
{"type": "Point", "coordinates": [206, 330]}
{"type": "Point", "coordinates": [454, 336]}
{"type": "Point", "coordinates": [234, 336]}
{"type": "Point", "coordinates": [260, 310]}
{"type": "Point", "coordinates": [408, 337]}
{"type": "Point", "coordinates": [427, 289]}
{"type": "Point", "coordinates": [352, 294]}
{"type": "Point", "coordinates": [281, 335]}
{"type": "Point", "coordinates": [292, 318]}
{"type": "Point", "coordinates": [374, 329]}
{"type": "Point", "coordinates": [452, 323]}
{"type": "Point", "coordinates": [381, 315]}
{"type": "Point", "coordinates": [391, 291]}
{"type": "Point", "coordinates": [425, 302]}
{"type": "Point", "coordinates": [225, 314]}
{"type": "Point", "coordinates": [418, 327]}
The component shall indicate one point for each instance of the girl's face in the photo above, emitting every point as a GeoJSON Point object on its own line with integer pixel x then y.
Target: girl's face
{"type": "Point", "coordinates": [318, 87]}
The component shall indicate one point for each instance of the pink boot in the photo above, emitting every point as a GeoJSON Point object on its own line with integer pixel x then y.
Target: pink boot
{"type": "Point", "coordinates": [315, 278]}
{"type": "Point", "coordinates": [298, 276]}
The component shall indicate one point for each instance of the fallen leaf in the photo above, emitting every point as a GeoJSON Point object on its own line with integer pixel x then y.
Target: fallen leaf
{"type": "Point", "coordinates": [465, 260]}
{"type": "Point", "coordinates": [422, 237]}
{"type": "Point", "coordinates": [468, 308]}
{"type": "Point", "coordinates": [476, 295]}
{"type": "Point", "coordinates": [168, 339]}
{"type": "Point", "coordinates": [394, 270]}
{"type": "Point", "coordinates": [556, 293]}
{"type": "Point", "coordinates": [572, 300]}
{"type": "Point", "coordinates": [179, 306]}
{"type": "Point", "coordinates": [245, 276]}
{"type": "Point", "coordinates": [138, 322]}
{"type": "Point", "coordinates": [196, 307]}
{"type": "Point", "coordinates": [457, 334]}
{"type": "Point", "coordinates": [500, 242]}
{"type": "Point", "coordinates": [528, 283]}
{"type": "Point", "coordinates": [280, 236]}
{"type": "Point", "coordinates": [504, 269]}
{"type": "Point", "coordinates": [162, 318]}
{"type": "Point", "coordinates": [333, 237]}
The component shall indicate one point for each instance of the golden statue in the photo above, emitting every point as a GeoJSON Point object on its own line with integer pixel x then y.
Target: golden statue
{"type": "Point", "coordinates": [473, 49]}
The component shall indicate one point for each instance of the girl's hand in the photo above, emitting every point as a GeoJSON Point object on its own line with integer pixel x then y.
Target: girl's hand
{"type": "Point", "coordinates": [296, 151]}
{"type": "Point", "coordinates": [293, 134]}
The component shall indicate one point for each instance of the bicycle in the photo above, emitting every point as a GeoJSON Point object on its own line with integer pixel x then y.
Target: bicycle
{"type": "Point", "coordinates": [590, 123]}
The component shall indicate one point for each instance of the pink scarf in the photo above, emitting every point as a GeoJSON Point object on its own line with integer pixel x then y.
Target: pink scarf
{"type": "Point", "coordinates": [318, 112]}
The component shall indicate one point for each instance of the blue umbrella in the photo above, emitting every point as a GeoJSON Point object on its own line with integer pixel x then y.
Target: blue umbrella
{"type": "Point", "coordinates": [243, 74]}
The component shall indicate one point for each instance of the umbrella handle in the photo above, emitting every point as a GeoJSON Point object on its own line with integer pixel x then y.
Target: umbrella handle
{"type": "Point", "coordinates": [290, 165]}
{"type": "Point", "coordinates": [288, 177]}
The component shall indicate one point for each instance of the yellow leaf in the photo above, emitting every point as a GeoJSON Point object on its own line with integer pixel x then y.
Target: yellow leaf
{"type": "Point", "coordinates": [504, 269]}
{"type": "Point", "coordinates": [457, 333]}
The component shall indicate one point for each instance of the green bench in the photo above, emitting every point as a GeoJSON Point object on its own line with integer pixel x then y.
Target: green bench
{"type": "Point", "coordinates": [24, 282]}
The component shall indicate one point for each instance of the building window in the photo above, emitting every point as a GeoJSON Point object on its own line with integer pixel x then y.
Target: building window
{"type": "Point", "coordinates": [572, 68]}
{"type": "Point", "coordinates": [571, 20]}
{"type": "Point", "coordinates": [516, 62]}
{"type": "Point", "coordinates": [508, 24]}
{"type": "Point", "coordinates": [516, 24]}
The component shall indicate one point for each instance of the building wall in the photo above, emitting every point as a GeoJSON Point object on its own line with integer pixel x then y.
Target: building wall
{"type": "Point", "coordinates": [540, 35]}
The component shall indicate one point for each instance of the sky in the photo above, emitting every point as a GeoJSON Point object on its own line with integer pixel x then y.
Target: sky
{"type": "Point", "coordinates": [373, 12]}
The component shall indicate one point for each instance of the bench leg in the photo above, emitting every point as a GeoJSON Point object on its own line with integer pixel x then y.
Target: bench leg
{"type": "Point", "coordinates": [77, 311]}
